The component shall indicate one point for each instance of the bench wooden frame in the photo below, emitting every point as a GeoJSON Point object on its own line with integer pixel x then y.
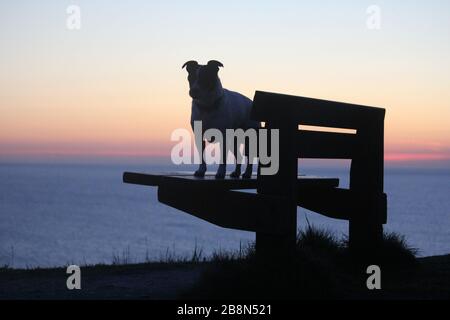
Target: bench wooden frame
{"type": "Point", "coordinates": [364, 203]}
{"type": "Point", "coordinates": [272, 211]}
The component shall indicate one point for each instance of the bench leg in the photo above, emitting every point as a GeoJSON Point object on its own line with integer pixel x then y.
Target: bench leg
{"type": "Point", "coordinates": [364, 236]}
{"type": "Point", "coordinates": [274, 249]}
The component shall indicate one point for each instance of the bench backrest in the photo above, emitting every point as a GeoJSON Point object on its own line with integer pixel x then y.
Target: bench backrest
{"type": "Point", "coordinates": [365, 148]}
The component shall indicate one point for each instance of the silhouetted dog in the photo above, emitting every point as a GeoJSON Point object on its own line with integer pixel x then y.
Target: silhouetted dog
{"type": "Point", "coordinates": [217, 108]}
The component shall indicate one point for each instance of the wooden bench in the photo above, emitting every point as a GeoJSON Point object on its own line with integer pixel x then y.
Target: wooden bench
{"type": "Point", "coordinates": [271, 212]}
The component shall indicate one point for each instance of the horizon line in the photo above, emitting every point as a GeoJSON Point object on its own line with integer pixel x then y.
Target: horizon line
{"type": "Point", "coordinates": [399, 158]}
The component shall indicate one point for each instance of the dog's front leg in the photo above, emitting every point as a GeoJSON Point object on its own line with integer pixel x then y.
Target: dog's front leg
{"type": "Point", "coordinates": [202, 168]}
{"type": "Point", "coordinates": [237, 172]}
{"type": "Point", "coordinates": [223, 165]}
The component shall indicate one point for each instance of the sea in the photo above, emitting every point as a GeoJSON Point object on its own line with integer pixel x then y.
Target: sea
{"type": "Point", "coordinates": [55, 214]}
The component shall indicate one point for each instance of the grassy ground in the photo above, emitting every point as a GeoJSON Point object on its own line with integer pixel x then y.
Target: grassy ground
{"type": "Point", "coordinates": [322, 268]}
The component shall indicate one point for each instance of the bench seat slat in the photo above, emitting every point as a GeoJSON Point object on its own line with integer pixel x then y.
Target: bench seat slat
{"type": "Point", "coordinates": [186, 179]}
{"type": "Point", "coordinates": [228, 209]}
{"type": "Point", "coordinates": [343, 204]}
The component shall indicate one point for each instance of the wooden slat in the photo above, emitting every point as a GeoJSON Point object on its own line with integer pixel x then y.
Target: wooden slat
{"type": "Point", "coordinates": [154, 180]}
{"type": "Point", "coordinates": [186, 180]}
{"type": "Point", "coordinates": [211, 183]}
{"type": "Point", "coordinates": [308, 111]}
{"type": "Point", "coordinates": [141, 179]}
{"type": "Point", "coordinates": [343, 204]}
{"type": "Point", "coordinates": [326, 145]}
{"type": "Point", "coordinates": [227, 209]}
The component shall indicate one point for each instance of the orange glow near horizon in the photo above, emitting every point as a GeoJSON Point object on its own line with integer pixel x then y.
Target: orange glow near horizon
{"type": "Point", "coordinates": [411, 157]}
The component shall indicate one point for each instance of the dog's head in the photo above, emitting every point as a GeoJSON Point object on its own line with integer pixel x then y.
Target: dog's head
{"type": "Point", "coordinates": [204, 83]}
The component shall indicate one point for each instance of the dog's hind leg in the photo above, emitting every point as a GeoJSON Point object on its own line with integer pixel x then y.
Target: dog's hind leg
{"type": "Point", "coordinates": [249, 169]}
{"type": "Point", "coordinates": [220, 174]}
{"type": "Point", "coordinates": [202, 168]}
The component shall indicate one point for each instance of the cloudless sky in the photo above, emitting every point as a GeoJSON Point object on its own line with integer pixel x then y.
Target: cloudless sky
{"type": "Point", "coordinates": [115, 87]}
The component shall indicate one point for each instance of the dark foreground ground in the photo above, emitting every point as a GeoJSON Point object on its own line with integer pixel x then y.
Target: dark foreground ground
{"type": "Point", "coordinates": [140, 281]}
{"type": "Point", "coordinates": [429, 280]}
{"type": "Point", "coordinates": [322, 269]}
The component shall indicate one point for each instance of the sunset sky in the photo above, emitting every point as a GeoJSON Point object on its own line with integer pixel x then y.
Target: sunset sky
{"type": "Point", "coordinates": [115, 87]}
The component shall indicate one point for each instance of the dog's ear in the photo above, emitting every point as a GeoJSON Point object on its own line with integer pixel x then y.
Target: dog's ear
{"type": "Point", "coordinates": [190, 65]}
{"type": "Point", "coordinates": [215, 64]}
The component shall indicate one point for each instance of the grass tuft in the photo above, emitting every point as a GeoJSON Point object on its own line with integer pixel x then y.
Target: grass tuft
{"type": "Point", "coordinates": [318, 240]}
{"type": "Point", "coordinates": [322, 268]}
